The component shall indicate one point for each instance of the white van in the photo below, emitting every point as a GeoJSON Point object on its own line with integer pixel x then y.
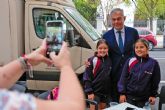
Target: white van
{"type": "Point", "coordinates": [22, 29]}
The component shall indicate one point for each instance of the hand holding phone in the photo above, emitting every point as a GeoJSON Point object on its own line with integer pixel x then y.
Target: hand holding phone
{"type": "Point", "coordinates": [54, 35]}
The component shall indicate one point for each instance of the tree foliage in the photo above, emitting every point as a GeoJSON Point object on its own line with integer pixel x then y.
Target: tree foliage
{"type": "Point", "coordinates": [87, 8]}
{"type": "Point", "coordinates": [148, 9]}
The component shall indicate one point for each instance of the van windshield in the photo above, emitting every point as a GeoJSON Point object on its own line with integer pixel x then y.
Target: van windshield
{"type": "Point", "coordinates": [86, 26]}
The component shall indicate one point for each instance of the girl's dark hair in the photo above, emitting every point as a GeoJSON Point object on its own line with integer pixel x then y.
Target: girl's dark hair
{"type": "Point", "coordinates": [144, 41]}
{"type": "Point", "coordinates": [101, 41]}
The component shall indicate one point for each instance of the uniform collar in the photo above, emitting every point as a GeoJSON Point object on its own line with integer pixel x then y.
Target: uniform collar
{"type": "Point", "coordinates": [142, 59]}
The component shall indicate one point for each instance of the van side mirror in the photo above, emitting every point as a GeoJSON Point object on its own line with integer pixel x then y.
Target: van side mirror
{"type": "Point", "coordinates": [70, 37]}
{"type": "Point", "coordinates": [76, 39]}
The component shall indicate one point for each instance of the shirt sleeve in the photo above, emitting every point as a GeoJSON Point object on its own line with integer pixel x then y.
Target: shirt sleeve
{"type": "Point", "coordinates": [16, 101]}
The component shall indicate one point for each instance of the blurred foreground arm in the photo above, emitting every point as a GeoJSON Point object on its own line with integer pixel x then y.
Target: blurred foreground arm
{"type": "Point", "coordinates": [70, 92]}
{"type": "Point", "coordinates": [11, 72]}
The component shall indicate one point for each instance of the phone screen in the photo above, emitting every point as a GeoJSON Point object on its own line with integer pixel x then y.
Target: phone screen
{"type": "Point", "coordinates": [54, 34]}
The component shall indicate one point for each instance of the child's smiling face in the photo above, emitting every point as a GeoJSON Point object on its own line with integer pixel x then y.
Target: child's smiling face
{"type": "Point", "coordinates": [140, 49]}
{"type": "Point", "coordinates": [102, 50]}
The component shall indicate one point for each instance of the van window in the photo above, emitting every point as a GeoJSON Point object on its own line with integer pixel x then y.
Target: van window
{"type": "Point", "coordinates": [40, 16]}
{"type": "Point", "coordinates": [72, 36]}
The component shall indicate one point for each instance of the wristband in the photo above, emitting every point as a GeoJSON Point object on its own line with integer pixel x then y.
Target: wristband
{"type": "Point", "coordinates": [24, 63]}
{"type": "Point", "coordinates": [26, 66]}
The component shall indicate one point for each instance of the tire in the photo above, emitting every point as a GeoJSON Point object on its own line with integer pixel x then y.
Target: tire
{"type": "Point", "coordinates": [151, 46]}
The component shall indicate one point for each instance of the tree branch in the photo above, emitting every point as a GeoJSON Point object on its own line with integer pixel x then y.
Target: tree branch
{"type": "Point", "coordinates": [156, 2]}
{"type": "Point", "coordinates": [146, 5]}
{"type": "Point", "coordinates": [139, 9]}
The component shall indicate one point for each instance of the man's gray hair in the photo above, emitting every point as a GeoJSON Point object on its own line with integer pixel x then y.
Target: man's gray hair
{"type": "Point", "coordinates": [115, 10]}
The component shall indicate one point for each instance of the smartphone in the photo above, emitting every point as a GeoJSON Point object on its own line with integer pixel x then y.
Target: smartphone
{"type": "Point", "coordinates": [54, 36]}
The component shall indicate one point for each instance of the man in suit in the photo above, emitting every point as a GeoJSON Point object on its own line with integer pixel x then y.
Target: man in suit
{"type": "Point", "coordinates": [120, 39]}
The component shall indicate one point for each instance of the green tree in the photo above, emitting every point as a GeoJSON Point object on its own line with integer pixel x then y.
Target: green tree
{"type": "Point", "coordinates": [87, 8]}
{"type": "Point", "coordinates": [149, 9]}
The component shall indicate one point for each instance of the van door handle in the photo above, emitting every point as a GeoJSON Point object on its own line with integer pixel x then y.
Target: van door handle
{"type": "Point", "coordinates": [35, 48]}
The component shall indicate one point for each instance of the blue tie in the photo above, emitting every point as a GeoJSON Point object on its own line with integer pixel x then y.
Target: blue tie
{"type": "Point", "coordinates": [120, 41]}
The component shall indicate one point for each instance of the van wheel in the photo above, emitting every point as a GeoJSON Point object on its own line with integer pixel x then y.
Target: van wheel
{"type": "Point", "coordinates": [151, 46]}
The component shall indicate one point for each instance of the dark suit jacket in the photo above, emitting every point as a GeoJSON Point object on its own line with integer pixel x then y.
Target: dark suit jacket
{"type": "Point", "coordinates": [118, 58]}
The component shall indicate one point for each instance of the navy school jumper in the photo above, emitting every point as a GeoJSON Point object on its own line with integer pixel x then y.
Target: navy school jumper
{"type": "Point", "coordinates": [97, 76]}
{"type": "Point", "coordinates": [140, 78]}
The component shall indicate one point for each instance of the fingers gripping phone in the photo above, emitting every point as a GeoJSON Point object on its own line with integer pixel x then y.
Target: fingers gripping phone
{"type": "Point", "coordinates": [54, 36]}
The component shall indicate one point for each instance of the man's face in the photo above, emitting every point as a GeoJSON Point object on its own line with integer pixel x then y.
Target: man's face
{"type": "Point", "coordinates": [117, 20]}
